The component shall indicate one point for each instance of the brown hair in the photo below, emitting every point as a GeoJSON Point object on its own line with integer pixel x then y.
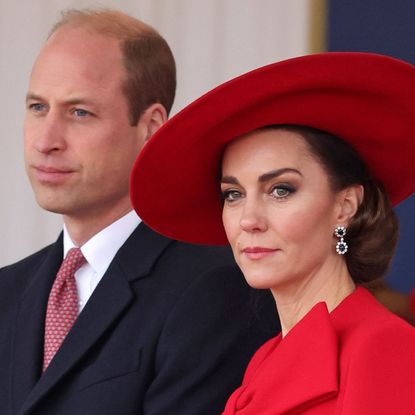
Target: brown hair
{"type": "Point", "coordinates": [148, 61]}
{"type": "Point", "coordinates": [372, 233]}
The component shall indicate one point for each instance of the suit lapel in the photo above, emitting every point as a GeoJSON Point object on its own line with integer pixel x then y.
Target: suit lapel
{"type": "Point", "coordinates": [27, 349]}
{"type": "Point", "coordinates": [109, 300]}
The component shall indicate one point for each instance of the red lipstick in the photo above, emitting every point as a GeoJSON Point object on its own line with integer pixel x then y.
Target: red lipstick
{"type": "Point", "coordinates": [258, 252]}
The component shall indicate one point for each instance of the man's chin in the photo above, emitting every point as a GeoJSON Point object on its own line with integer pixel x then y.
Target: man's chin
{"type": "Point", "coordinates": [53, 205]}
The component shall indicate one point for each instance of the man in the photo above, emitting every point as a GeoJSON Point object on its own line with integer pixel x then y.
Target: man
{"type": "Point", "coordinates": [145, 325]}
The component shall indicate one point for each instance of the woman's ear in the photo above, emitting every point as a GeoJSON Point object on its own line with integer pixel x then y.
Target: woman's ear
{"type": "Point", "coordinates": [349, 200]}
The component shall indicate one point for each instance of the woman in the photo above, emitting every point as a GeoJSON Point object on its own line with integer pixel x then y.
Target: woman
{"type": "Point", "coordinates": [307, 214]}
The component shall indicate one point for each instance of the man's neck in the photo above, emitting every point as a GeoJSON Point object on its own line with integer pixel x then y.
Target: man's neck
{"type": "Point", "coordinates": [82, 230]}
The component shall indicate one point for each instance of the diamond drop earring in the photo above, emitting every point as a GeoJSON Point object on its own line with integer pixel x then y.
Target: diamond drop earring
{"type": "Point", "coordinates": [341, 246]}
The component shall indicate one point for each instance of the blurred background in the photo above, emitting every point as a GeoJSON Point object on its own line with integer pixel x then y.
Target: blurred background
{"type": "Point", "coordinates": [212, 40]}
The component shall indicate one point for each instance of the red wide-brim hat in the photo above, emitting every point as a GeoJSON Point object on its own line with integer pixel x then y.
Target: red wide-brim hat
{"type": "Point", "coordinates": [366, 99]}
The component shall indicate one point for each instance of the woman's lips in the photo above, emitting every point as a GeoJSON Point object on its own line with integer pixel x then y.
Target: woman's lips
{"type": "Point", "coordinates": [258, 252]}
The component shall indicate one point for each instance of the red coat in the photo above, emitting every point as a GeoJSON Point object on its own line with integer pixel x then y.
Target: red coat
{"type": "Point", "coordinates": [357, 360]}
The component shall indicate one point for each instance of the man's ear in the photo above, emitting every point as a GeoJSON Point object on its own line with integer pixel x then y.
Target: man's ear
{"type": "Point", "coordinates": [151, 120]}
{"type": "Point", "coordinates": [349, 200]}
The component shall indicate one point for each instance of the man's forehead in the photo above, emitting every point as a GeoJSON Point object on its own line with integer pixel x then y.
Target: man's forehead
{"type": "Point", "coordinates": [82, 42]}
{"type": "Point", "coordinates": [73, 55]}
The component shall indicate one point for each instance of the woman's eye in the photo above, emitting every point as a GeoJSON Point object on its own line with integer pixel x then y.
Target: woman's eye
{"type": "Point", "coordinates": [281, 192]}
{"type": "Point", "coordinates": [231, 195]}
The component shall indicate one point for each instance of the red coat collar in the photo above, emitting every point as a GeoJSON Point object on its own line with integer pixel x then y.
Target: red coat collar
{"type": "Point", "coordinates": [284, 381]}
{"type": "Point", "coordinates": [287, 376]}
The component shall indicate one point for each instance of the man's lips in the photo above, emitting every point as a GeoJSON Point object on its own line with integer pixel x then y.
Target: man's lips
{"type": "Point", "coordinates": [258, 252]}
{"type": "Point", "coordinates": [48, 169]}
{"type": "Point", "coordinates": [51, 174]}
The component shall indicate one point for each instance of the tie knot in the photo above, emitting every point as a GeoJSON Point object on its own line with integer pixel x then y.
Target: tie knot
{"type": "Point", "coordinates": [74, 260]}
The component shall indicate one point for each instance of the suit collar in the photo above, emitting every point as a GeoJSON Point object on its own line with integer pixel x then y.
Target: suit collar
{"type": "Point", "coordinates": [109, 300]}
{"type": "Point", "coordinates": [102, 247]}
{"type": "Point", "coordinates": [144, 244]}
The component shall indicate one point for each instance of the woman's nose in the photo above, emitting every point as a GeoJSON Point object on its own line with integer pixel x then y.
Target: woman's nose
{"type": "Point", "coordinates": [253, 218]}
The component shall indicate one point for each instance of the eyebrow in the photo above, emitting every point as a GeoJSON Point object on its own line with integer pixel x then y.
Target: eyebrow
{"type": "Point", "coordinates": [33, 97]}
{"type": "Point", "coordinates": [264, 177]}
{"type": "Point", "coordinates": [278, 172]}
{"type": "Point", "coordinates": [73, 101]}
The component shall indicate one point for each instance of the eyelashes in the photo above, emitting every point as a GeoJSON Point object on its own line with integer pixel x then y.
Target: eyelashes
{"type": "Point", "coordinates": [36, 107]}
{"type": "Point", "coordinates": [230, 195]}
{"type": "Point", "coordinates": [280, 191]}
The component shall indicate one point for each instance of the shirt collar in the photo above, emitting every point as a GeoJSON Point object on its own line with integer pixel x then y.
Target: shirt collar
{"type": "Point", "coordinates": [101, 249]}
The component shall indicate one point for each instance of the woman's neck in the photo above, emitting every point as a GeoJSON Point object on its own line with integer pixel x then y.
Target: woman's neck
{"type": "Point", "coordinates": [295, 300]}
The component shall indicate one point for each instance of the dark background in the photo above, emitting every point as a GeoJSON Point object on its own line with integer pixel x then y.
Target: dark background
{"type": "Point", "coordinates": [387, 27]}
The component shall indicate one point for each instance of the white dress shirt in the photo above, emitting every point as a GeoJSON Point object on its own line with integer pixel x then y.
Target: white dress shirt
{"type": "Point", "coordinates": [99, 251]}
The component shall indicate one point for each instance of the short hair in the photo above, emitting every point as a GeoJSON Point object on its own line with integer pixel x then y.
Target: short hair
{"type": "Point", "coordinates": [147, 58]}
{"type": "Point", "coordinates": [372, 233]}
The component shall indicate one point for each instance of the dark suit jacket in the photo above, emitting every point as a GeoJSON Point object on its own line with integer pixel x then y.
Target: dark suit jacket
{"type": "Point", "coordinates": [168, 331]}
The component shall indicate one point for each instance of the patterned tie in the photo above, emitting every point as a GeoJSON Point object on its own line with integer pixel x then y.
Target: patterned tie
{"type": "Point", "coordinates": [62, 309]}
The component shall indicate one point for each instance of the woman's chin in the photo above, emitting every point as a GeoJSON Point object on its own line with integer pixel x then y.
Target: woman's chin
{"type": "Point", "coordinates": [260, 282]}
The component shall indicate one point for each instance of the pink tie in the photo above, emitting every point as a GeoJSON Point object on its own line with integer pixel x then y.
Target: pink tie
{"type": "Point", "coordinates": [62, 309]}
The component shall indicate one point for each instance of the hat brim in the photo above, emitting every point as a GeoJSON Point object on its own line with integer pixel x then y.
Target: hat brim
{"type": "Point", "coordinates": [366, 99]}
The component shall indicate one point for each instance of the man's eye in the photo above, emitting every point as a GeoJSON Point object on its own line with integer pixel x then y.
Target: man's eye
{"type": "Point", "coordinates": [81, 113]}
{"type": "Point", "coordinates": [36, 107]}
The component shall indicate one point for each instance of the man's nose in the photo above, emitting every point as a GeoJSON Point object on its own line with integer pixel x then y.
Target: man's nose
{"type": "Point", "coordinates": [50, 135]}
